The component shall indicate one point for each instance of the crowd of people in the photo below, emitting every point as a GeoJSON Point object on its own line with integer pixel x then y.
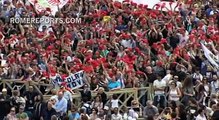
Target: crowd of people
{"type": "Point", "coordinates": [118, 45]}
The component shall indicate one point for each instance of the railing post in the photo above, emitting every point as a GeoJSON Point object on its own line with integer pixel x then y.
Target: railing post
{"type": "Point", "coordinates": [3, 82]}
{"type": "Point", "coordinates": [136, 93]}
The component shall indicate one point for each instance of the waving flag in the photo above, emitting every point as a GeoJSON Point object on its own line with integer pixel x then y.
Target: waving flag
{"type": "Point", "coordinates": [152, 3]}
{"type": "Point", "coordinates": [210, 56]}
{"type": "Point", "coordinates": [54, 5]}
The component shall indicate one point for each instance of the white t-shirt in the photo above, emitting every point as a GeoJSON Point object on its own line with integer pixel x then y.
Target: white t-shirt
{"type": "Point", "coordinates": [199, 117]}
{"type": "Point", "coordinates": [116, 117]}
{"type": "Point", "coordinates": [114, 103]}
{"type": "Point", "coordinates": [159, 84]}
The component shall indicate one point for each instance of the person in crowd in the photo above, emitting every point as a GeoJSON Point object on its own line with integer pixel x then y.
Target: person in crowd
{"type": "Point", "coordinates": [97, 103]}
{"type": "Point", "coordinates": [16, 100]}
{"type": "Point", "coordinates": [83, 113]}
{"type": "Point", "coordinates": [12, 114]}
{"type": "Point", "coordinates": [54, 94]}
{"type": "Point", "coordinates": [67, 95]}
{"type": "Point", "coordinates": [49, 111]}
{"type": "Point", "coordinates": [86, 93]}
{"type": "Point", "coordinates": [215, 115]}
{"type": "Point", "coordinates": [116, 115]}
{"type": "Point", "coordinates": [174, 93]}
{"type": "Point", "coordinates": [214, 84]}
{"type": "Point", "coordinates": [29, 98]}
{"type": "Point", "coordinates": [103, 95]}
{"type": "Point", "coordinates": [39, 107]}
{"type": "Point", "coordinates": [159, 89]}
{"type": "Point", "coordinates": [201, 115]}
{"type": "Point", "coordinates": [74, 114]}
{"type": "Point", "coordinates": [188, 91]}
{"type": "Point", "coordinates": [61, 105]}
{"type": "Point", "coordinates": [150, 109]}
{"type": "Point", "coordinates": [87, 107]}
{"type": "Point", "coordinates": [114, 102]}
{"type": "Point", "coordinates": [181, 112]}
{"type": "Point", "coordinates": [4, 96]}
{"type": "Point", "coordinates": [94, 115]}
{"type": "Point", "coordinates": [4, 103]}
{"type": "Point", "coordinates": [21, 114]}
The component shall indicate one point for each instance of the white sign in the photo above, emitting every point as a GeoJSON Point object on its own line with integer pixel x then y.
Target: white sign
{"type": "Point", "coordinates": [73, 81]}
{"type": "Point", "coordinates": [152, 3]}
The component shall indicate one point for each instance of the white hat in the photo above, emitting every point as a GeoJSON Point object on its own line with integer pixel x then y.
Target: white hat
{"type": "Point", "coordinates": [4, 90]}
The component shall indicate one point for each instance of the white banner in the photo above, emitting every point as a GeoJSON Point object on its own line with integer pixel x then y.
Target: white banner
{"type": "Point", "coordinates": [54, 5]}
{"type": "Point", "coordinates": [152, 3]}
{"type": "Point", "coordinates": [73, 81]}
{"type": "Point", "coordinates": [210, 56]}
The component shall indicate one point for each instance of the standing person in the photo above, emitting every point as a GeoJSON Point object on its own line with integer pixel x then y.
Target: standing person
{"type": "Point", "coordinates": [159, 91]}
{"type": "Point", "coordinates": [61, 105]}
{"type": "Point", "coordinates": [16, 100]}
{"type": "Point", "coordinates": [174, 92]}
{"type": "Point", "coordinates": [103, 95]}
{"type": "Point", "coordinates": [29, 97]}
{"type": "Point", "coordinates": [74, 115]}
{"type": "Point", "coordinates": [201, 115]}
{"type": "Point", "coordinates": [86, 94]}
{"type": "Point", "coordinates": [116, 115]}
{"type": "Point", "coordinates": [97, 103]}
{"type": "Point", "coordinates": [12, 114]}
{"type": "Point", "coordinates": [21, 115]}
{"type": "Point", "coordinates": [93, 115]}
{"type": "Point", "coordinates": [150, 109]}
{"type": "Point", "coordinates": [4, 103]}
{"type": "Point", "coordinates": [49, 111]}
{"type": "Point", "coordinates": [4, 96]}
{"type": "Point", "coordinates": [67, 96]}
{"type": "Point", "coordinates": [188, 91]}
{"type": "Point", "coordinates": [39, 106]}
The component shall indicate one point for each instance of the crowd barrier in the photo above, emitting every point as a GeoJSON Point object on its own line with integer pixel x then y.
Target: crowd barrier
{"type": "Point", "coordinates": [124, 95]}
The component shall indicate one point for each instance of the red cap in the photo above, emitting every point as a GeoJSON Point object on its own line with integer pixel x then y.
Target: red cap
{"type": "Point", "coordinates": [163, 40]}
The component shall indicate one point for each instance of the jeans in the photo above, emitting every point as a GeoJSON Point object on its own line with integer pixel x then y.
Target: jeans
{"type": "Point", "coordinates": [160, 100]}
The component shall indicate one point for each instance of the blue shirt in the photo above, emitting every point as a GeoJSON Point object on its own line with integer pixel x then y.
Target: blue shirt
{"type": "Point", "coordinates": [61, 105]}
{"type": "Point", "coordinates": [113, 85]}
{"type": "Point", "coordinates": [74, 116]}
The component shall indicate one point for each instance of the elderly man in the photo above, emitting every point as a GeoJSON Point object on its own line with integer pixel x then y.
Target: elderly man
{"type": "Point", "coordinates": [61, 104]}
{"type": "Point", "coordinates": [150, 109]}
{"type": "Point", "coordinates": [67, 96]}
{"type": "Point", "coordinates": [4, 96]}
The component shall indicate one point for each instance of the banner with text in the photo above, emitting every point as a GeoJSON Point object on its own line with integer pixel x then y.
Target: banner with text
{"type": "Point", "coordinates": [73, 81]}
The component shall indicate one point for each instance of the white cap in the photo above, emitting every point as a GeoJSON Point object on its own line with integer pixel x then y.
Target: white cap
{"type": "Point", "coordinates": [4, 90]}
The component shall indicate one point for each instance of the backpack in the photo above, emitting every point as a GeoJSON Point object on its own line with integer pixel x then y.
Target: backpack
{"type": "Point", "coordinates": [87, 109]}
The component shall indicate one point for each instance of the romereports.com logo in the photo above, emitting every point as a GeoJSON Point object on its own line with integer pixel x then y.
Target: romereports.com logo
{"type": "Point", "coordinates": [45, 20]}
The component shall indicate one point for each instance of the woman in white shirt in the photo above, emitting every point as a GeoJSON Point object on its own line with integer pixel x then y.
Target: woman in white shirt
{"type": "Point", "coordinates": [174, 92]}
{"type": "Point", "coordinates": [201, 115]}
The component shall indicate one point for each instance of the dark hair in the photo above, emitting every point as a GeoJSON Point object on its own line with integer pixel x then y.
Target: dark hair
{"type": "Point", "coordinates": [173, 115]}
{"type": "Point", "coordinates": [96, 110]}
{"type": "Point", "coordinates": [115, 96]}
{"type": "Point", "coordinates": [199, 111]}
{"type": "Point", "coordinates": [187, 82]}
{"type": "Point", "coordinates": [201, 88]}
